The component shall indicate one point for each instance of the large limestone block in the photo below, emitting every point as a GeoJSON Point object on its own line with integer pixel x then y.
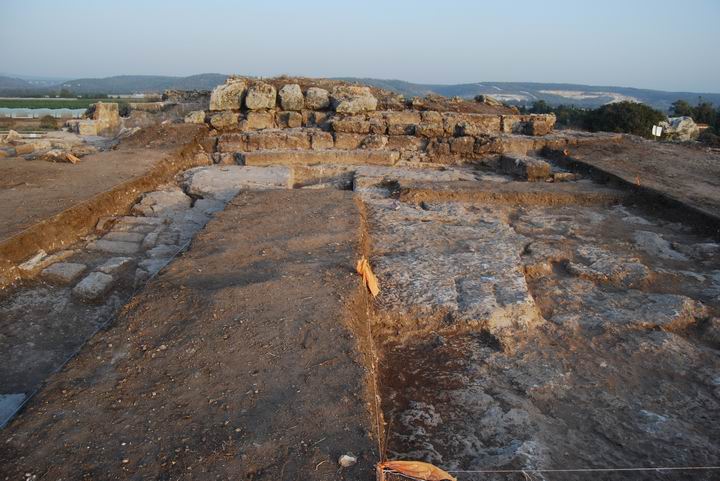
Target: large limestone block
{"type": "Point", "coordinates": [228, 96]}
{"type": "Point", "coordinates": [93, 287]}
{"type": "Point", "coordinates": [226, 119]}
{"type": "Point", "coordinates": [115, 247]}
{"type": "Point", "coordinates": [351, 125]}
{"type": "Point", "coordinates": [224, 183]}
{"type": "Point", "coordinates": [107, 118]}
{"type": "Point", "coordinates": [524, 166]}
{"type": "Point", "coordinates": [291, 98]}
{"type": "Point", "coordinates": [317, 98]}
{"type": "Point", "coordinates": [195, 117]}
{"type": "Point", "coordinates": [312, 157]}
{"type": "Point", "coordinates": [682, 129]}
{"type": "Point", "coordinates": [63, 272]}
{"type": "Point", "coordinates": [353, 99]}
{"type": "Point", "coordinates": [540, 124]}
{"type": "Point", "coordinates": [322, 140]}
{"type": "Point", "coordinates": [261, 96]}
{"type": "Point", "coordinates": [276, 139]}
{"type": "Point", "coordinates": [348, 141]}
{"type": "Point", "coordinates": [259, 121]}
{"type": "Point", "coordinates": [462, 145]}
{"type": "Point", "coordinates": [163, 203]}
{"type": "Point", "coordinates": [402, 117]}
{"type": "Point", "coordinates": [289, 120]}
{"type": "Point", "coordinates": [87, 127]}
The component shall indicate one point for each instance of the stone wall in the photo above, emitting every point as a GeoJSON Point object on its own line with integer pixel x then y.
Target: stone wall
{"type": "Point", "coordinates": [255, 115]}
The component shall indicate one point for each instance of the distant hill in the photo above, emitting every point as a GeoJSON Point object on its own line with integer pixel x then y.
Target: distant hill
{"type": "Point", "coordinates": [124, 84]}
{"type": "Point", "coordinates": [519, 93]}
{"type": "Point", "coordinates": [7, 83]}
{"type": "Point", "coordinates": [516, 93]}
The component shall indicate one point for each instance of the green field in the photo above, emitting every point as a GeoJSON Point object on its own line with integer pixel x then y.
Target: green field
{"type": "Point", "coordinates": [35, 103]}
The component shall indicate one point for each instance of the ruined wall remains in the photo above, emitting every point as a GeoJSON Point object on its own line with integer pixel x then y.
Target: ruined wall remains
{"type": "Point", "coordinates": [253, 115]}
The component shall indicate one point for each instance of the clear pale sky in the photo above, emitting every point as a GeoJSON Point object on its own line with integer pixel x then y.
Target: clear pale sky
{"type": "Point", "coordinates": [661, 44]}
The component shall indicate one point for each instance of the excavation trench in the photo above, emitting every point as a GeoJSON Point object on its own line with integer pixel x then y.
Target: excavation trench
{"type": "Point", "coordinates": [513, 331]}
{"type": "Point", "coordinates": [527, 337]}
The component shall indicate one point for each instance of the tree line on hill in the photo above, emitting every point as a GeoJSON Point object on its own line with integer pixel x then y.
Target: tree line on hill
{"type": "Point", "coordinates": [631, 117]}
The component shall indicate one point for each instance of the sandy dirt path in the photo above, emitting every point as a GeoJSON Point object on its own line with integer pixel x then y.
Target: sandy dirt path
{"type": "Point", "coordinates": [237, 362]}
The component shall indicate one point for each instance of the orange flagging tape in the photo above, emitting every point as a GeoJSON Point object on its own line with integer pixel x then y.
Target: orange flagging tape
{"type": "Point", "coordinates": [413, 470]}
{"type": "Point", "coordinates": [363, 268]}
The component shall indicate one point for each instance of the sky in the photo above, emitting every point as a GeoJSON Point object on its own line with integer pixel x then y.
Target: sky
{"type": "Point", "coordinates": [660, 44]}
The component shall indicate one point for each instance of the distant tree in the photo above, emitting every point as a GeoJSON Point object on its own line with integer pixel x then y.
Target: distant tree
{"type": "Point", "coordinates": [571, 116]}
{"type": "Point", "coordinates": [541, 107]}
{"type": "Point", "coordinates": [65, 93]}
{"type": "Point", "coordinates": [704, 113]}
{"type": "Point", "coordinates": [681, 108]}
{"type": "Point", "coordinates": [124, 109]}
{"type": "Point", "coordinates": [627, 117]}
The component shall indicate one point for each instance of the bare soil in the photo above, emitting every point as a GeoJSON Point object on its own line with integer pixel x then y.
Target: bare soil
{"type": "Point", "coordinates": [688, 174]}
{"type": "Point", "coordinates": [34, 190]}
{"type": "Point", "coordinates": [237, 362]}
{"type": "Point", "coordinates": [49, 206]}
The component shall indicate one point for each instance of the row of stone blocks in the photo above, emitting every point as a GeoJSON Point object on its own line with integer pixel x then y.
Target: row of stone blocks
{"type": "Point", "coordinates": [250, 145]}
{"type": "Point", "coordinates": [427, 124]}
{"type": "Point", "coordinates": [239, 93]}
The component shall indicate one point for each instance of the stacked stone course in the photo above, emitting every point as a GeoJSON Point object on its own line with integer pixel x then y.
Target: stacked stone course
{"type": "Point", "coordinates": [253, 115]}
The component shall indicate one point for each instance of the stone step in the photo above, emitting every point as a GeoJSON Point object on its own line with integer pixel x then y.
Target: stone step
{"type": "Point", "coordinates": [525, 167]}
{"type": "Point", "coordinates": [311, 157]}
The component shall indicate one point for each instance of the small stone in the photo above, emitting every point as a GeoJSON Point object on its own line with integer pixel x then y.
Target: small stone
{"type": "Point", "coordinates": [34, 262]}
{"type": "Point", "coordinates": [93, 287]}
{"type": "Point", "coordinates": [347, 460]}
{"type": "Point", "coordinates": [150, 240]}
{"type": "Point", "coordinates": [564, 176]}
{"type": "Point", "coordinates": [12, 137]}
{"type": "Point", "coordinates": [63, 272]}
{"type": "Point", "coordinates": [141, 276]}
{"type": "Point", "coordinates": [117, 265]}
{"type": "Point", "coordinates": [153, 266]}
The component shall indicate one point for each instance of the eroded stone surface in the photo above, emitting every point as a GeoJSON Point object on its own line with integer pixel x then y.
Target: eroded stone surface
{"type": "Point", "coordinates": [117, 266]}
{"type": "Point", "coordinates": [228, 96]}
{"type": "Point", "coordinates": [115, 247]}
{"type": "Point", "coordinates": [9, 404]}
{"type": "Point", "coordinates": [93, 287]}
{"type": "Point", "coordinates": [448, 265]}
{"type": "Point", "coordinates": [63, 272]}
{"type": "Point", "coordinates": [163, 203]}
{"type": "Point", "coordinates": [223, 183]}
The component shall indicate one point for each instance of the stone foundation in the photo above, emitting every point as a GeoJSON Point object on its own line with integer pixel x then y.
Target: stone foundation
{"type": "Point", "coordinates": [253, 115]}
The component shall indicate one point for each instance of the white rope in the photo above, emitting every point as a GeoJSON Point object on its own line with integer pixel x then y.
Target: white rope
{"type": "Point", "coordinates": [587, 470]}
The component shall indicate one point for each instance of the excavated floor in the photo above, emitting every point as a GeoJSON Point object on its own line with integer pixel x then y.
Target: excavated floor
{"type": "Point", "coordinates": [237, 362]}
{"type": "Point", "coordinates": [546, 338]}
{"type": "Point", "coordinates": [520, 326]}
